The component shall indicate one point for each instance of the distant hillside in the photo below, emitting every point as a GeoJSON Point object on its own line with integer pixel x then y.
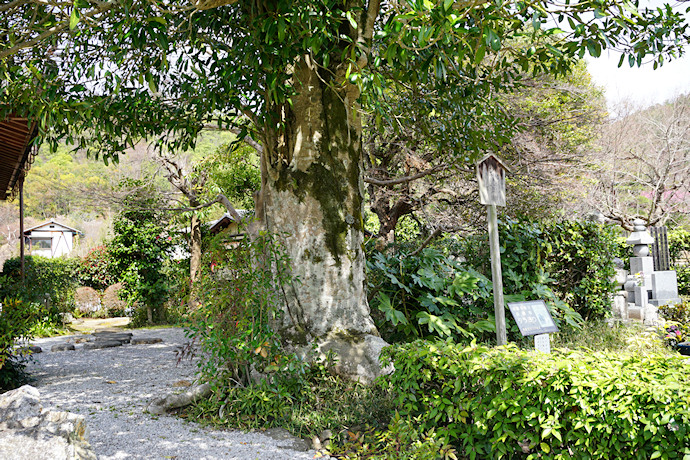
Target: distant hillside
{"type": "Point", "coordinates": [83, 192]}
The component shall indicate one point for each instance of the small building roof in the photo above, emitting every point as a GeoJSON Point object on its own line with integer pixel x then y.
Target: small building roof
{"type": "Point", "coordinates": [493, 160]}
{"type": "Point", "coordinates": [17, 150]}
{"type": "Point", "coordinates": [46, 227]}
{"type": "Point", "coordinates": [219, 224]}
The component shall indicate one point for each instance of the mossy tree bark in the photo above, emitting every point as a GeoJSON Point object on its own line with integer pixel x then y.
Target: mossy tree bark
{"type": "Point", "coordinates": [313, 194]}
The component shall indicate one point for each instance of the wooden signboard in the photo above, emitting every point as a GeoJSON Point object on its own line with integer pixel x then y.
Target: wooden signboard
{"type": "Point", "coordinates": [491, 175]}
{"type": "Point", "coordinates": [532, 317]}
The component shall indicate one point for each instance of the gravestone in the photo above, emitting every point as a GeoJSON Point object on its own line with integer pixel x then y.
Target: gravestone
{"type": "Point", "coordinates": [664, 288]}
{"type": "Point", "coordinates": [660, 252]}
{"type": "Point", "coordinates": [650, 288]}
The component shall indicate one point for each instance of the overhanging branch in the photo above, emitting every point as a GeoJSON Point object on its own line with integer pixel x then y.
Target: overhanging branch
{"type": "Point", "coordinates": [402, 180]}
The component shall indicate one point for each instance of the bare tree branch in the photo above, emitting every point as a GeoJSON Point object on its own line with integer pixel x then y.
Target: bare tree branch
{"type": "Point", "coordinates": [405, 179]}
{"type": "Point", "coordinates": [222, 199]}
{"type": "Point", "coordinates": [247, 139]}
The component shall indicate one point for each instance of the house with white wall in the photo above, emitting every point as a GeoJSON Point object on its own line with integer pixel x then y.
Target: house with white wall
{"type": "Point", "coordinates": [51, 239]}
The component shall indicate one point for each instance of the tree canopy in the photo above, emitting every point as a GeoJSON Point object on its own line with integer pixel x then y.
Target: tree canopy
{"type": "Point", "coordinates": [106, 74]}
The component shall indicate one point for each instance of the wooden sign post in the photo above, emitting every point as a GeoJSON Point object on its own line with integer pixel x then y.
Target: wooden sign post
{"type": "Point", "coordinates": [491, 175]}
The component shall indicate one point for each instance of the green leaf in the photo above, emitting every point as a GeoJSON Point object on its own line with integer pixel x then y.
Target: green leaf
{"type": "Point", "coordinates": [74, 18]}
{"type": "Point", "coordinates": [493, 39]}
{"type": "Point", "coordinates": [351, 19]}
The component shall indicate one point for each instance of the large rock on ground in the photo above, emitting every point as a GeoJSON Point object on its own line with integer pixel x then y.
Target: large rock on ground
{"type": "Point", "coordinates": [29, 432]}
{"type": "Point", "coordinates": [87, 299]}
{"type": "Point", "coordinates": [163, 404]}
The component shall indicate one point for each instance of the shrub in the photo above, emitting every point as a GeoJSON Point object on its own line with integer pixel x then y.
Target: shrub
{"type": "Point", "coordinates": [400, 441]}
{"type": "Point", "coordinates": [683, 276]}
{"type": "Point", "coordinates": [677, 327]}
{"type": "Point", "coordinates": [111, 301]}
{"type": "Point", "coordinates": [88, 301]}
{"type": "Point", "coordinates": [569, 264]}
{"type": "Point", "coordinates": [509, 403]}
{"type": "Point", "coordinates": [580, 259]}
{"type": "Point", "coordinates": [51, 283]}
{"type": "Point", "coordinates": [16, 320]}
{"type": "Point", "coordinates": [429, 294]}
{"type": "Point", "coordinates": [239, 302]}
{"type": "Point", "coordinates": [679, 246]}
{"type": "Point", "coordinates": [140, 249]}
{"type": "Point", "coordinates": [96, 269]}
{"type": "Point", "coordinates": [676, 312]}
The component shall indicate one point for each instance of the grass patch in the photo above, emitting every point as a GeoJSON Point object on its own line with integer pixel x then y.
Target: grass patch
{"type": "Point", "coordinates": [317, 401]}
{"type": "Point", "coordinates": [613, 337]}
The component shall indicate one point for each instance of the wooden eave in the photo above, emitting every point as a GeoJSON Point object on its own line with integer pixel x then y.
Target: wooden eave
{"type": "Point", "coordinates": [16, 153]}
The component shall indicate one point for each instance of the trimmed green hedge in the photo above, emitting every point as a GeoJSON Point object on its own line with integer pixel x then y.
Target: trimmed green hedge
{"type": "Point", "coordinates": [510, 403]}
{"type": "Point", "coordinates": [46, 279]}
{"type": "Point", "coordinates": [16, 319]}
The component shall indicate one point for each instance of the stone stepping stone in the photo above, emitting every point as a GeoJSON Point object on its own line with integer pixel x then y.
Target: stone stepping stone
{"type": "Point", "coordinates": [105, 333]}
{"type": "Point", "coordinates": [121, 339]}
{"type": "Point", "coordinates": [102, 344]}
{"type": "Point", "coordinates": [110, 330]}
{"type": "Point", "coordinates": [30, 350]}
{"type": "Point", "coordinates": [62, 347]}
{"type": "Point", "coordinates": [146, 340]}
{"type": "Point", "coordinates": [124, 337]}
{"type": "Point", "coordinates": [79, 339]}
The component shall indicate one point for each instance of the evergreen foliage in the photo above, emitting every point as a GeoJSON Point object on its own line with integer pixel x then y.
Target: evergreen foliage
{"type": "Point", "coordinates": [510, 403]}
{"type": "Point", "coordinates": [139, 249]}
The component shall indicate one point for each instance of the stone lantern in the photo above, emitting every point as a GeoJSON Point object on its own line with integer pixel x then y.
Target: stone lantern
{"type": "Point", "coordinates": [640, 240]}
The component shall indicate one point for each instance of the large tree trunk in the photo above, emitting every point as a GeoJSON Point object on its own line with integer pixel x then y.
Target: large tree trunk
{"type": "Point", "coordinates": [194, 246]}
{"type": "Point", "coordinates": [313, 191]}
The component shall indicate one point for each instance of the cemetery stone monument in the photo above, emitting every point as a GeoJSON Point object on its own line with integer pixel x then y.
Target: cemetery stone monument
{"type": "Point", "coordinates": [647, 288]}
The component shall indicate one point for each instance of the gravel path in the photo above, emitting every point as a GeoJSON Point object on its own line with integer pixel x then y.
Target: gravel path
{"type": "Point", "coordinates": [111, 387]}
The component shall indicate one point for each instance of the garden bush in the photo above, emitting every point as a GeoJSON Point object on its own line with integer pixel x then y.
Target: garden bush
{"type": "Point", "coordinates": [569, 264]}
{"type": "Point", "coordinates": [97, 269]}
{"type": "Point", "coordinates": [677, 326]}
{"type": "Point", "coordinates": [510, 403]}
{"type": "Point", "coordinates": [429, 294]}
{"type": "Point", "coordinates": [683, 277]}
{"type": "Point", "coordinates": [16, 320]}
{"type": "Point", "coordinates": [239, 300]}
{"type": "Point", "coordinates": [679, 246]}
{"type": "Point", "coordinates": [49, 283]}
{"type": "Point", "coordinates": [140, 249]}
{"type": "Point", "coordinates": [679, 253]}
{"type": "Point", "coordinates": [580, 260]}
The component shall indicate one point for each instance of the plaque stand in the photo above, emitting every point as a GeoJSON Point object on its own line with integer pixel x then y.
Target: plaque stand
{"type": "Point", "coordinates": [542, 342]}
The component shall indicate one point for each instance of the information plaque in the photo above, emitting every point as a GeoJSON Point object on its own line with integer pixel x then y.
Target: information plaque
{"type": "Point", "coordinates": [532, 317]}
